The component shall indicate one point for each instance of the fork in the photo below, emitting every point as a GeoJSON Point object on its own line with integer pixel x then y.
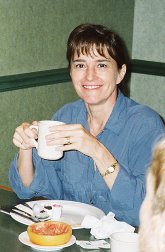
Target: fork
{"type": "Point", "coordinates": [20, 210]}
{"type": "Point", "coordinates": [26, 204]}
{"type": "Point", "coordinates": [33, 216]}
{"type": "Point", "coordinates": [34, 219]}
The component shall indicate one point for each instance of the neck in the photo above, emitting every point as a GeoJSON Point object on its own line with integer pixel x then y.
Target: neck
{"type": "Point", "coordinates": [98, 114]}
{"type": "Point", "coordinates": [97, 118]}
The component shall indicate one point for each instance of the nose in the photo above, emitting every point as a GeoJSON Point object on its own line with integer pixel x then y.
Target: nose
{"type": "Point", "coordinates": [90, 73]}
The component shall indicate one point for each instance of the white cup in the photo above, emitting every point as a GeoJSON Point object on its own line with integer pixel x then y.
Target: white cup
{"type": "Point", "coordinates": [45, 151]}
{"type": "Point", "coordinates": [124, 242]}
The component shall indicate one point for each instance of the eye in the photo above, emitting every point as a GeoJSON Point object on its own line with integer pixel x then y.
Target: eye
{"type": "Point", "coordinates": [79, 65]}
{"type": "Point", "coordinates": [102, 65]}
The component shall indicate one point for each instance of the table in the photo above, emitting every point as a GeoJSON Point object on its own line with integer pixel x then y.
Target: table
{"type": "Point", "coordinates": [10, 230]}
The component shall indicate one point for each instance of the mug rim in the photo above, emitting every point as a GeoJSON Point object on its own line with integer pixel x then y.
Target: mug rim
{"type": "Point", "coordinates": [124, 233]}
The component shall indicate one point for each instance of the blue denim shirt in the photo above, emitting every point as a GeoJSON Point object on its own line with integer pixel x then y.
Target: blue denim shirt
{"type": "Point", "coordinates": [129, 134]}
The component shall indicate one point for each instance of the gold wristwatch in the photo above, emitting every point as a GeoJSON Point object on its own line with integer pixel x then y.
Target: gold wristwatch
{"type": "Point", "coordinates": [110, 169]}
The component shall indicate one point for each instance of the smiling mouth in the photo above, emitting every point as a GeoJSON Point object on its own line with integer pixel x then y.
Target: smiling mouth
{"type": "Point", "coordinates": [91, 87]}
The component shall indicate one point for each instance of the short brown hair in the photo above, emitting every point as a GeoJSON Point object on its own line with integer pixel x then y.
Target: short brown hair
{"type": "Point", "coordinates": [85, 36]}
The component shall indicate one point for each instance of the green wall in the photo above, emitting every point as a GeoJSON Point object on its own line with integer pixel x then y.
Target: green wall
{"type": "Point", "coordinates": [149, 44]}
{"type": "Point", "coordinates": [33, 35]}
{"type": "Point", "coordinates": [34, 32]}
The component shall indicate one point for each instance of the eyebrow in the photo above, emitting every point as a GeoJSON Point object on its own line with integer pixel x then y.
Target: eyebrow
{"type": "Point", "coordinates": [100, 60]}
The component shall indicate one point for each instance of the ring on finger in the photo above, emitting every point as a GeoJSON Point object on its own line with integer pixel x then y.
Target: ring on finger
{"type": "Point", "coordinates": [68, 141]}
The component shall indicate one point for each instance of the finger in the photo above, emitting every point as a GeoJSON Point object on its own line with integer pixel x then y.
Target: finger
{"type": "Point", "coordinates": [79, 133]}
{"type": "Point", "coordinates": [65, 127]}
{"type": "Point", "coordinates": [20, 130]}
{"type": "Point", "coordinates": [20, 145]}
{"type": "Point", "coordinates": [17, 137]}
{"type": "Point", "coordinates": [23, 137]}
{"type": "Point", "coordinates": [53, 140]}
{"type": "Point", "coordinates": [26, 133]}
{"type": "Point", "coordinates": [24, 130]}
{"type": "Point", "coordinates": [66, 147]}
{"type": "Point", "coordinates": [19, 141]}
{"type": "Point", "coordinates": [35, 123]}
{"type": "Point", "coordinates": [31, 133]}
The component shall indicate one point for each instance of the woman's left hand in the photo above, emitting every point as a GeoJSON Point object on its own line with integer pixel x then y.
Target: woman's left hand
{"type": "Point", "coordinates": [73, 137]}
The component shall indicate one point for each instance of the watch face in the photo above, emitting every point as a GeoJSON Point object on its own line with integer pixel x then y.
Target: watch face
{"type": "Point", "coordinates": [111, 169]}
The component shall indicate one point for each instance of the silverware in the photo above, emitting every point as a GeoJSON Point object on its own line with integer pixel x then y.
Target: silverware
{"type": "Point", "coordinates": [20, 210]}
{"type": "Point", "coordinates": [38, 211]}
{"type": "Point", "coordinates": [23, 213]}
{"type": "Point", "coordinates": [33, 216]}
{"type": "Point", "coordinates": [4, 211]}
{"type": "Point", "coordinates": [20, 214]}
{"type": "Point", "coordinates": [26, 204]}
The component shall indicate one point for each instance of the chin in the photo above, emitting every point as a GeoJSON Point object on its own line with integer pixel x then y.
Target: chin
{"type": "Point", "coordinates": [91, 102]}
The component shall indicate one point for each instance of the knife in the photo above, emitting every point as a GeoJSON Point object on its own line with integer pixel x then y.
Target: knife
{"type": "Point", "coordinates": [15, 208]}
{"type": "Point", "coordinates": [19, 214]}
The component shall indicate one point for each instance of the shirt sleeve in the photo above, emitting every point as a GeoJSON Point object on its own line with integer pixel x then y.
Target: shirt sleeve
{"type": "Point", "coordinates": [129, 188]}
{"type": "Point", "coordinates": [45, 172]}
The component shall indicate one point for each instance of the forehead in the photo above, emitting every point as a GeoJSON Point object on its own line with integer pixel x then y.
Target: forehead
{"type": "Point", "coordinates": [92, 52]}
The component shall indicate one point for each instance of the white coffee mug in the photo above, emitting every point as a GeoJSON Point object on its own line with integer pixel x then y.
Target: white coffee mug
{"type": "Point", "coordinates": [46, 151]}
{"type": "Point", "coordinates": [124, 242]}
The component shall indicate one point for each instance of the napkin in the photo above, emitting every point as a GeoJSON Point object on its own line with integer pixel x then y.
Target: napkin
{"type": "Point", "coordinates": [103, 228]}
{"type": "Point", "coordinates": [97, 244]}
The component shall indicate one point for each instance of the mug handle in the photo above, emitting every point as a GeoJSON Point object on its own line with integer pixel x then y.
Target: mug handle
{"type": "Point", "coordinates": [35, 142]}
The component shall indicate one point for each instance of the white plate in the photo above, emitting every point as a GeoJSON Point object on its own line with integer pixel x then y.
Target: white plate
{"type": "Point", "coordinates": [24, 238]}
{"type": "Point", "coordinates": [73, 212]}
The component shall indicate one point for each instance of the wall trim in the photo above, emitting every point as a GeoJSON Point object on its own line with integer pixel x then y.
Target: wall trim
{"type": "Point", "coordinates": [56, 76]}
{"type": "Point", "coordinates": [148, 67]}
{"type": "Point", "coordinates": [34, 79]}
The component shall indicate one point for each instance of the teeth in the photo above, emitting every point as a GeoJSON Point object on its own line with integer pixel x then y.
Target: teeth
{"type": "Point", "coordinates": [91, 87]}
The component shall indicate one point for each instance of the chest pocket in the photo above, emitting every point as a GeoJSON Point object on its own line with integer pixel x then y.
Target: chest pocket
{"type": "Point", "coordinates": [72, 171]}
{"type": "Point", "coordinates": [75, 178]}
{"type": "Point", "coordinates": [74, 165]}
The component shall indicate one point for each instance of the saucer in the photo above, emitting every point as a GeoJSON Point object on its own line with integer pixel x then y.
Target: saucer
{"type": "Point", "coordinates": [24, 238]}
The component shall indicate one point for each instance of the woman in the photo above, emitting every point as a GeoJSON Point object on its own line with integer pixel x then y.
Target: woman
{"type": "Point", "coordinates": [107, 137]}
{"type": "Point", "coordinates": [152, 213]}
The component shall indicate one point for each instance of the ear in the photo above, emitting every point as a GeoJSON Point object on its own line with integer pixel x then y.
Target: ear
{"type": "Point", "coordinates": [121, 74]}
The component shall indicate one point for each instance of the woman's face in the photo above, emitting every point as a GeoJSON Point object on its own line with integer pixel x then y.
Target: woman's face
{"type": "Point", "coordinates": [95, 77]}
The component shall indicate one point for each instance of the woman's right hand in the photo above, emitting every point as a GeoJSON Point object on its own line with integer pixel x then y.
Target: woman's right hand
{"type": "Point", "coordinates": [24, 136]}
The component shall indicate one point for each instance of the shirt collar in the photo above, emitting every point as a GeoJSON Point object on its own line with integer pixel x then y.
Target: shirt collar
{"type": "Point", "coordinates": [117, 118]}
{"type": "Point", "coordinates": [83, 115]}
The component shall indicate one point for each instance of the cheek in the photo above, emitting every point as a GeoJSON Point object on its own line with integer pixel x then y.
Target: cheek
{"type": "Point", "coordinates": [76, 83]}
{"type": "Point", "coordinates": [76, 77]}
{"type": "Point", "coordinates": [117, 78]}
{"type": "Point", "coordinates": [110, 77]}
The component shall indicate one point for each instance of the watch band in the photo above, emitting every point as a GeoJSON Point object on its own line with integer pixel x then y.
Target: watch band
{"type": "Point", "coordinates": [110, 169]}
